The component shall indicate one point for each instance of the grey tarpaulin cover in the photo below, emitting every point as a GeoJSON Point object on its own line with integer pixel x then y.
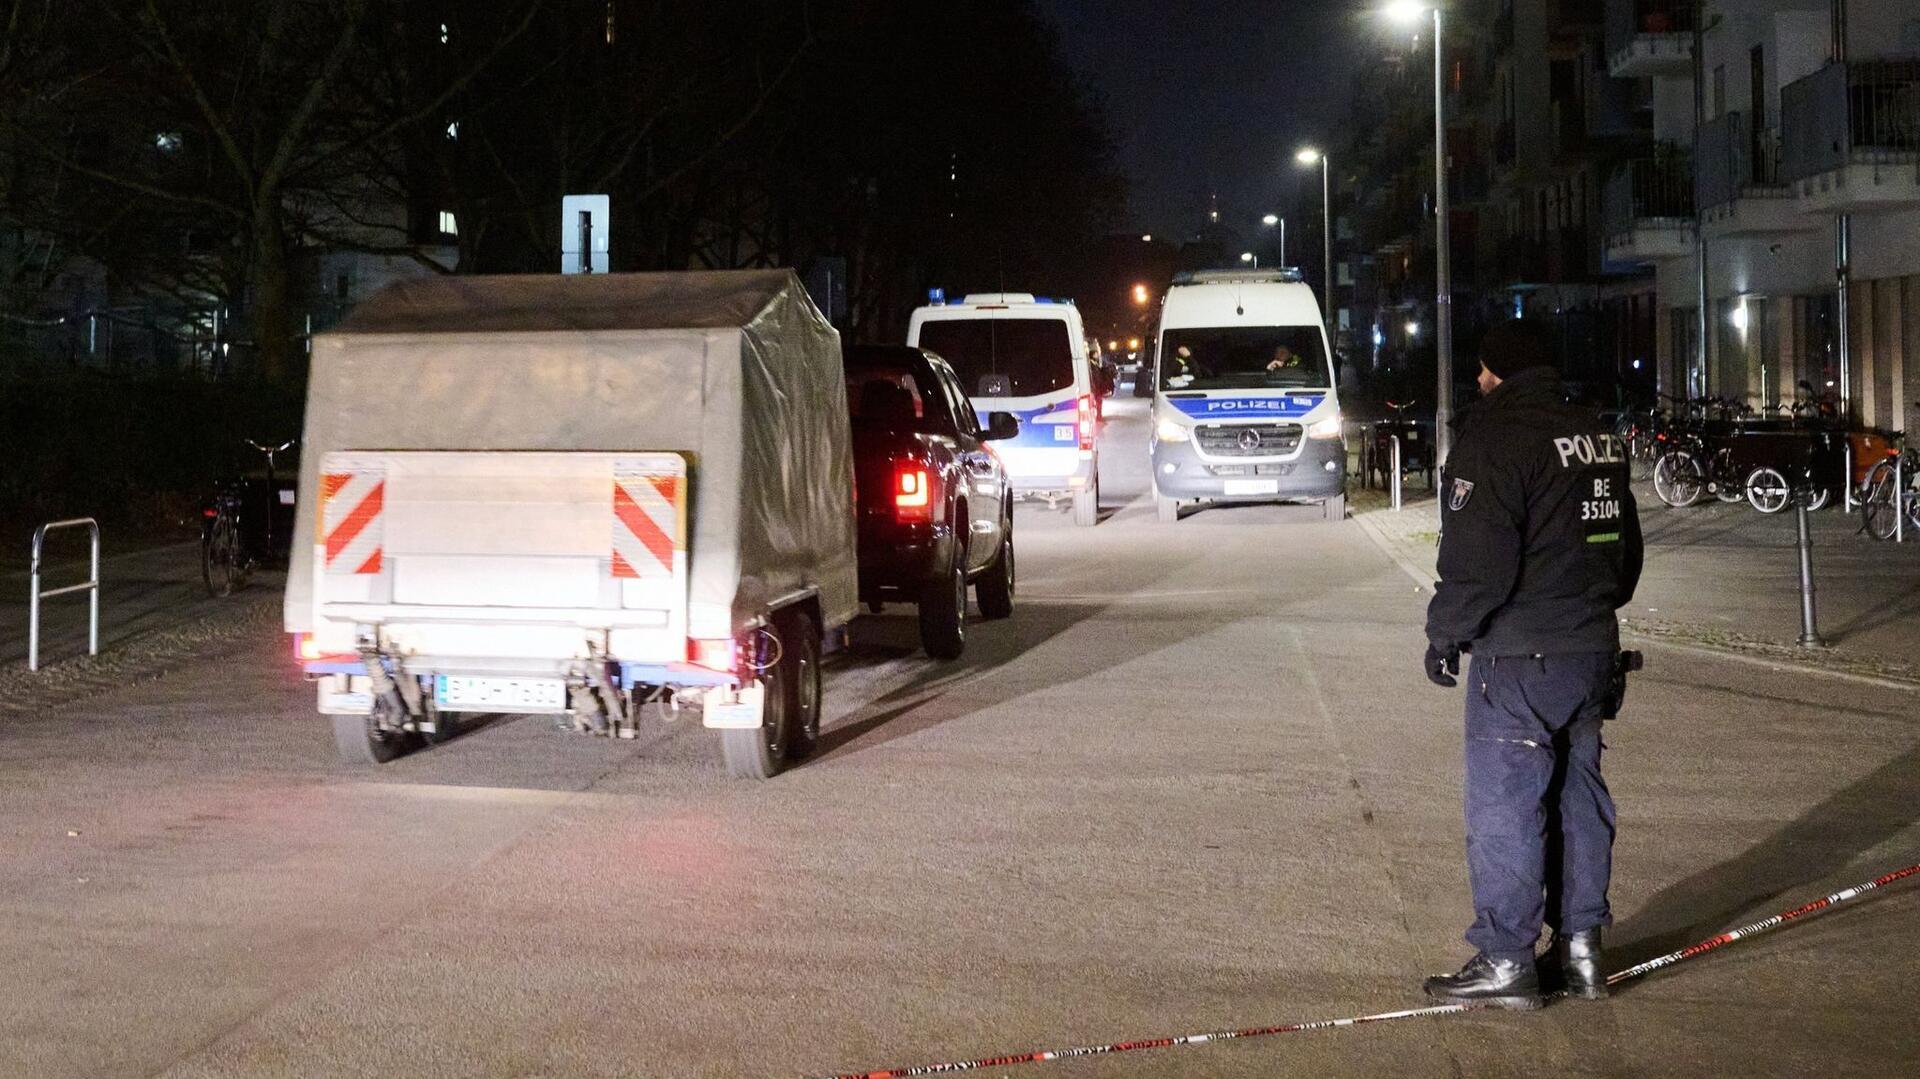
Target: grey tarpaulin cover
{"type": "Point", "coordinates": [737, 369]}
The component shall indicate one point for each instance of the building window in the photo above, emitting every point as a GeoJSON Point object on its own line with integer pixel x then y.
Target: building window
{"type": "Point", "coordinates": [453, 130]}
{"type": "Point", "coordinates": [610, 21]}
{"type": "Point", "coordinates": [449, 226]}
{"type": "Point", "coordinates": [167, 141]}
{"type": "Point", "coordinates": [445, 34]}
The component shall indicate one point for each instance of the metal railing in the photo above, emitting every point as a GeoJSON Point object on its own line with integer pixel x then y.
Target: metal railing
{"type": "Point", "coordinates": [1628, 19]}
{"type": "Point", "coordinates": [1864, 111]}
{"type": "Point", "coordinates": [1651, 188]}
{"type": "Point", "coordinates": [90, 585]}
{"type": "Point", "coordinates": [1732, 159]}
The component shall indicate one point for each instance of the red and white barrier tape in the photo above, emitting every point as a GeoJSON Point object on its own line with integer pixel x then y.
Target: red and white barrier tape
{"type": "Point", "coordinates": [1636, 971]}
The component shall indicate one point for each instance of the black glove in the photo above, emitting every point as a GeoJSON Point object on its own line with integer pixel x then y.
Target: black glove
{"type": "Point", "coordinates": [1442, 666]}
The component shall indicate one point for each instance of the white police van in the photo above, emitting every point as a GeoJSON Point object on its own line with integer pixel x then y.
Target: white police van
{"type": "Point", "coordinates": [1245, 404]}
{"type": "Point", "coordinates": [1027, 357]}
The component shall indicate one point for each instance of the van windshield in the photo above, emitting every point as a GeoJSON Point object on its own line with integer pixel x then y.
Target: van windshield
{"type": "Point", "coordinates": [1004, 357]}
{"type": "Point", "coordinates": [1243, 358]}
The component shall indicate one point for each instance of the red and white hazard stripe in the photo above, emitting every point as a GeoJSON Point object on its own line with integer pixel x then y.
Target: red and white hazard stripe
{"type": "Point", "coordinates": [352, 531]}
{"type": "Point", "coordinates": [647, 524]}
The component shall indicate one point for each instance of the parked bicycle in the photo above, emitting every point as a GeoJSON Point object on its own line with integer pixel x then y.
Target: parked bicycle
{"type": "Point", "coordinates": [1416, 449]}
{"type": "Point", "coordinates": [248, 524]}
{"type": "Point", "coordinates": [1892, 488]}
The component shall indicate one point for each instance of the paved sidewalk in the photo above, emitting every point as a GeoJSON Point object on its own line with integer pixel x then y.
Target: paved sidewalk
{"type": "Point", "coordinates": [1725, 577]}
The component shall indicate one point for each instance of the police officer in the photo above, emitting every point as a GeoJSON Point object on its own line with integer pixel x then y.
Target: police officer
{"type": "Point", "coordinates": [1540, 544]}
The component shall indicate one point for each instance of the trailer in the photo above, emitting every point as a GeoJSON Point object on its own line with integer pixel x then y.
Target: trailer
{"type": "Point", "coordinates": [576, 496]}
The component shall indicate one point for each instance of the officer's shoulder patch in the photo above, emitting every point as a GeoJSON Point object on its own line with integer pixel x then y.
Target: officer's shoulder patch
{"type": "Point", "coordinates": [1462, 490]}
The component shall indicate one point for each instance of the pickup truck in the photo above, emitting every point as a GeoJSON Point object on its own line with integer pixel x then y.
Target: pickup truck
{"type": "Point", "coordinates": [935, 510]}
{"type": "Point", "coordinates": [578, 496]}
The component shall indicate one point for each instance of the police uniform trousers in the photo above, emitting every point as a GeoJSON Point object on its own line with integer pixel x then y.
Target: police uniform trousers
{"type": "Point", "coordinates": [1539, 818]}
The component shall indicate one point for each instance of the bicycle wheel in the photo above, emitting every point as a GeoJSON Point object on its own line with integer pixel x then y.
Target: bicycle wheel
{"type": "Point", "coordinates": [1877, 504]}
{"type": "Point", "coordinates": [1725, 483]}
{"type": "Point", "coordinates": [222, 558]}
{"type": "Point", "coordinates": [1678, 479]}
{"type": "Point", "coordinates": [1768, 491]}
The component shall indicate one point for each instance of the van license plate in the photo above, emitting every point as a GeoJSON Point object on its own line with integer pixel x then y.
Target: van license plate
{"type": "Point", "coordinates": [500, 694]}
{"type": "Point", "coordinates": [1253, 487]}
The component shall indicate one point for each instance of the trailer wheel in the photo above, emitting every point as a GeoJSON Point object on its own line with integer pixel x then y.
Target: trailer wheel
{"type": "Point", "coordinates": [362, 741]}
{"type": "Point", "coordinates": [804, 656]}
{"type": "Point", "coordinates": [995, 588]}
{"type": "Point", "coordinates": [943, 610]}
{"type": "Point", "coordinates": [761, 753]}
{"type": "Point", "coordinates": [1768, 490]}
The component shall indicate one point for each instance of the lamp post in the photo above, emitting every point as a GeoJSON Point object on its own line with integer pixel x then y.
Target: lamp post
{"type": "Point", "coordinates": [1275, 219]}
{"type": "Point", "coordinates": [1409, 12]}
{"type": "Point", "coordinates": [1310, 156]}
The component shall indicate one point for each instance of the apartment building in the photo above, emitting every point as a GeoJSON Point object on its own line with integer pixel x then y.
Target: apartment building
{"type": "Point", "coordinates": [1787, 150]}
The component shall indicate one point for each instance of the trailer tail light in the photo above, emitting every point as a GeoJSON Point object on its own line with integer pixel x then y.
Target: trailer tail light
{"type": "Point", "coordinates": [714, 655]}
{"type": "Point", "coordinates": [305, 647]}
{"type": "Point", "coordinates": [1086, 423]}
{"type": "Point", "coordinates": [912, 492]}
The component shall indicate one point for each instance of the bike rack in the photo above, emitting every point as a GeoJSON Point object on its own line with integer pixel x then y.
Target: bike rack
{"type": "Point", "coordinates": [92, 585]}
{"type": "Point", "coordinates": [1847, 502]}
{"type": "Point", "coordinates": [1396, 472]}
{"type": "Point", "coordinates": [1900, 498]}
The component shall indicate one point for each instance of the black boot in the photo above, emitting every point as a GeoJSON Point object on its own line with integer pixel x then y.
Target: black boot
{"type": "Point", "coordinates": [1499, 982]}
{"type": "Point", "coordinates": [1578, 956]}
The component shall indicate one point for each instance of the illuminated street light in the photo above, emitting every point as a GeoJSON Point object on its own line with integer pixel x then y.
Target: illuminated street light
{"type": "Point", "coordinates": [1275, 219]}
{"type": "Point", "coordinates": [1270, 220]}
{"type": "Point", "coordinates": [1141, 295]}
{"type": "Point", "coordinates": [1146, 238]}
{"type": "Point", "coordinates": [1409, 12]}
{"type": "Point", "coordinates": [1310, 156]}
{"type": "Point", "coordinates": [1413, 329]}
{"type": "Point", "coordinates": [1133, 344]}
{"type": "Point", "coordinates": [1248, 256]}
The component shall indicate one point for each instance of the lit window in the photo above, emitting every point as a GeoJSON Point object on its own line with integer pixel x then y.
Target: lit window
{"type": "Point", "coordinates": [167, 141]}
{"type": "Point", "coordinates": [445, 34]}
{"type": "Point", "coordinates": [448, 224]}
{"type": "Point", "coordinates": [610, 19]}
{"type": "Point", "coordinates": [453, 130]}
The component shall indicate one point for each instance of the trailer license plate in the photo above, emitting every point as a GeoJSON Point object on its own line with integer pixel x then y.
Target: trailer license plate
{"type": "Point", "coordinates": [500, 694]}
{"type": "Point", "coordinates": [1253, 487]}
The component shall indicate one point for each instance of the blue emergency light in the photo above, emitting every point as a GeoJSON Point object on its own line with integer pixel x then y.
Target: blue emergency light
{"type": "Point", "coordinates": [937, 297]}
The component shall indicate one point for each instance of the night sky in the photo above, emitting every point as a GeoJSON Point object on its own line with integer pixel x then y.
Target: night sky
{"type": "Point", "coordinates": [1215, 95]}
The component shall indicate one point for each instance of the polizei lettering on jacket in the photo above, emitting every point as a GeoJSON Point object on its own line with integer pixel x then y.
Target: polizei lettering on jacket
{"type": "Point", "coordinates": [1590, 450]}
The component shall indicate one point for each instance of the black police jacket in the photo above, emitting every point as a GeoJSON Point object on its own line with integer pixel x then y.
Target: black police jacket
{"type": "Point", "coordinates": [1540, 537]}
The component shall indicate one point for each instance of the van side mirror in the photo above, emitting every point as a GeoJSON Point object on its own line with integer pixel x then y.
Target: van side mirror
{"type": "Point", "coordinates": [1001, 426]}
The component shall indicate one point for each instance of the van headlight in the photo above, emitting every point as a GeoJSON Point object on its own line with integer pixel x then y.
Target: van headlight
{"type": "Point", "coordinates": [1331, 427]}
{"type": "Point", "coordinates": [1168, 431]}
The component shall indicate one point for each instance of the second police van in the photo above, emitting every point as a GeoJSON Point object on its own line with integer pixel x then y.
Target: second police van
{"type": "Point", "coordinates": [1245, 406]}
{"type": "Point", "coordinates": [1026, 357]}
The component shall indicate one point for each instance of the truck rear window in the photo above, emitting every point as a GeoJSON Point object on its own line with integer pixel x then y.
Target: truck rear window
{"type": "Point", "coordinates": [1004, 357]}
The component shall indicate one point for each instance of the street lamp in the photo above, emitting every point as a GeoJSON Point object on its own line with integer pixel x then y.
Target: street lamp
{"type": "Point", "coordinates": [1275, 219]}
{"type": "Point", "coordinates": [1310, 156]}
{"type": "Point", "coordinates": [1140, 295]}
{"type": "Point", "coordinates": [1409, 12]}
{"type": "Point", "coordinates": [1250, 257]}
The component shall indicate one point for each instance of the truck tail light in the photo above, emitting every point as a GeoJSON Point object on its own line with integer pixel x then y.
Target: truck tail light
{"type": "Point", "coordinates": [714, 655]}
{"type": "Point", "coordinates": [912, 492]}
{"type": "Point", "coordinates": [305, 647]}
{"type": "Point", "coordinates": [1086, 423]}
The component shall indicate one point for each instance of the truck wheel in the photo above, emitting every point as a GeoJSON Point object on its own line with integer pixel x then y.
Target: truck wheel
{"type": "Point", "coordinates": [761, 753]}
{"type": "Point", "coordinates": [1336, 508]}
{"type": "Point", "coordinates": [995, 589]}
{"type": "Point", "coordinates": [803, 656]}
{"type": "Point", "coordinates": [943, 611]}
{"type": "Point", "coordinates": [1086, 504]}
{"type": "Point", "coordinates": [361, 741]}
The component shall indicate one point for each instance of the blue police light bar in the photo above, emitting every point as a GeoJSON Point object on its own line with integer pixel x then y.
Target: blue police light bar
{"type": "Point", "coordinates": [937, 297]}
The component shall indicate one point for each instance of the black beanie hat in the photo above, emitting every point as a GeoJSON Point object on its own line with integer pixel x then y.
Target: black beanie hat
{"type": "Point", "coordinates": [1514, 345]}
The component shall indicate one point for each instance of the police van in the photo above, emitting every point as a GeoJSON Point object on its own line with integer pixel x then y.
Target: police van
{"type": "Point", "coordinates": [1025, 356]}
{"type": "Point", "coordinates": [1245, 405]}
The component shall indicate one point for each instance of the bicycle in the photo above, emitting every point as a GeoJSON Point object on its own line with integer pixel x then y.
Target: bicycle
{"type": "Point", "coordinates": [247, 524]}
{"type": "Point", "coordinates": [1885, 499]}
{"type": "Point", "coordinates": [1416, 453]}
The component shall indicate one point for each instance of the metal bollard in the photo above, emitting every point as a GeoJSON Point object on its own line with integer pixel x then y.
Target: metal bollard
{"type": "Point", "coordinates": [1396, 472]}
{"type": "Point", "coordinates": [1900, 498]}
{"type": "Point", "coordinates": [1809, 618]}
{"type": "Point", "coordinates": [1847, 503]}
{"type": "Point", "coordinates": [35, 595]}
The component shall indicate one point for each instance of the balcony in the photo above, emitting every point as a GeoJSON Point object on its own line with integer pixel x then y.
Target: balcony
{"type": "Point", "coordinates": [1737, 183]}
{"type": "Point", "coordinates": [1650, 38]}
{"type": "Point", "coordinates": [1853, 137]}
{"type": "Point", "coordinates": [1647, 210]}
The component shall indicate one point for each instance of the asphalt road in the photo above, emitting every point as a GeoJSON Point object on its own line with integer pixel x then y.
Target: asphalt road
{"type": "Point", "coordinates": [1197, 782]}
